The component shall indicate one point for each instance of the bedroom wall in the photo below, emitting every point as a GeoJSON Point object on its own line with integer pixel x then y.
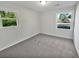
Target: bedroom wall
{"type": "Point", "coordinates": [48, 21]}
{"type": "Point", "coordinates": [27, 26]}
{"type": "Point", "coordinates": [76, 29]}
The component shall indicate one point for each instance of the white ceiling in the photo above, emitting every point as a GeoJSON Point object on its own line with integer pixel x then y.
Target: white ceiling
{"type": "Point", "coordinates": [35, 5]}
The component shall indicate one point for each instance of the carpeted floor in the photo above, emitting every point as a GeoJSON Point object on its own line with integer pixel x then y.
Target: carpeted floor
{"type": "Point", "coordinates": [41, 46]}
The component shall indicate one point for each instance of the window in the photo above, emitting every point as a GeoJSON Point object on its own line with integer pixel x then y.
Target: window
{"type": "Point", "coordinates": [64, 20]}
{"type": "Point", "coordinates": [7, 19]}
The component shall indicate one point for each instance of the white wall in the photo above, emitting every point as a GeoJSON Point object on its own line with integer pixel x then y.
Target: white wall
{"type": "Point", "coordinates": [49, 23]}
{"type": "Point", "coordinates": [27, 26]}
{"type": "Point", "coordinates": [76, 29]}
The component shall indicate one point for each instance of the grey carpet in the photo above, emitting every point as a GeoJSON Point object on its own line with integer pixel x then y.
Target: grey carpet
{"type": "Point", "coordinates": [41, 46]}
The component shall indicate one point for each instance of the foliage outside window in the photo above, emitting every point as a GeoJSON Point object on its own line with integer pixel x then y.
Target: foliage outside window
{"type": "Point", "coordinates": [64, 20]}
{"type": "Point", "coordinates": [7, 19]}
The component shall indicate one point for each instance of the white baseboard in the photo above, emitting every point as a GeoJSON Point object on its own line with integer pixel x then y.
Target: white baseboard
{"type": "Point", "coordinates": [56, 36]}
{"type": "Point", "coordinates": [14, 43]}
